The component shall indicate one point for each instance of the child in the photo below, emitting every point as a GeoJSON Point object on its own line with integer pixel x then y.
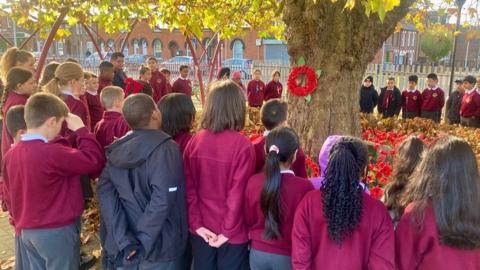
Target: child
{"type": "Point", "coordinates": [218, 162]}
{"type": "Point", "coordinates": [16, 125]}
{"type": "Point", "coordinates": [368, 96]}
{"type": "Point", "coordinates": [113, 124]}
{"type": "Point", "coordinates": [167, 74]}
{"type": "Point", "coordinates": [274, 114]}
{"type": "Point", "coordinates": [178, 114]}
{"type": "Point", "coordinates": [45, 201]}
{"type": "Point", "coordinates": [69, 85]}
{"type": "Point", "coordinates": [237, 77]}
{"type": "Point", "coordinates": [390, 100]}
{"type": "Point", "coordinates": [48, 73]}
{"type": "Point", "coordinates": [14, 57]}
{"type": "Point", "coordinates": [157, 81]}
{"type": "Point", "coordinates": [411, 99]}
{"type": "Point", "coordinates": [274, 87]}
{"type": "Point", "coordinates": [255, 90]}
{"type": "Point", "coordinates": [118, 61]}
{"type": "Point", "coordinates": [408, 157]}
{"type": "Point", "coordinates": [142, 193]}
{"type": "Point", "coordinates": [224, 74]}
{"type": "Point", "coordinates": [454, 103]}
{"type": "Point", "coordinates": [106, 75]}
{"type": "Point", "coordinates": [271, 198]}
{"type": "Point", "coordinates": [433, 99]}
{"type": "Point", "coordinates": [183, 84]}
{"type": "Point", "coordinates": [440, 228]}
{"type": "Point", "coordinates": [20, 84]}
{"type": "Point", "coordinates": [470, 108]}
{"type": "Point", "coordinates": [95, 107]}
{"type": "Point", "coordinates": [340, 226]}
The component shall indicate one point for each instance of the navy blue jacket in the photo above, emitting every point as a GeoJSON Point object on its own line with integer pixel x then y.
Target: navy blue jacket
{"type": "Point", "coordinates": [119, 78]}
{"type": "Point", "coordinates": [142, 197]}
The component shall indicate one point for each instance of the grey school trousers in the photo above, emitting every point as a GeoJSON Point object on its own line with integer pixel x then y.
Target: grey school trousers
{"type": "Point", "coordinates": [260, 260]}
{"type": "Point", "coordinates": [51, 249]}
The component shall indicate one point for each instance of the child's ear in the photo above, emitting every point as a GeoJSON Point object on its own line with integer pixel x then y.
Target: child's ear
{"type": "Point", "coordinates": [20, 132]}
{"type": "Point", "coordinates": [52, 121]}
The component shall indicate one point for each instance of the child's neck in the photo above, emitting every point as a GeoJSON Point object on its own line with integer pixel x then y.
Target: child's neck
{"type": "Point", "coordinates": [40, 131]}
{"type": "Point", "coordinates": [118, 110]}
{"type": "Point", "coordinates": [284, 166]}
{"type": "Point", "coordinates": [69, 90]}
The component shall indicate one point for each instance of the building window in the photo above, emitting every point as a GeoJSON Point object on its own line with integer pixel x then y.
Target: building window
{"type": "Point", "coordinates": [157, 48]}
{"type": "Point", "coordinates": [111, 45]}
{"type": "Point", "coordinates": [237, 49]}
{"type": "Point", "coordinates": [403, 38]}
{"type": "Point", "coordinates": [173, 48]}
{"type": "Point", "coordinates": [144, 47]}
{"type": "Point", "coordinates": [136, 46]}
{"type": "Point", "coordinates": [102, 46]}
{"type": "Point", "coordinates": [206, 42]}
{"type": "Point", "coordinates": [126, 50]}
{"type": "Point", "coordinates": [413, 38]}
{"type": "Point", "coordinates": [187, 50]}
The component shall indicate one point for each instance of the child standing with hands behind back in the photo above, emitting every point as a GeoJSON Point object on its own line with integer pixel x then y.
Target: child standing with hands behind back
{"type": "Point", "coordinates": [95, 107]}
{"type": "Point", "coordinates": [218, 161]}
{"type": "Point", "coordinates": [256, 90]}
{"type": "Point", "coordinates": [45, 200]}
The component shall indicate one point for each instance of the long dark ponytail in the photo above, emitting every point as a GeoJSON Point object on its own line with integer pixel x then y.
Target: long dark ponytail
{"type": "Point", "coordinates": [342, 193]}
{"type": "Point", "coordinates": [281, 145]}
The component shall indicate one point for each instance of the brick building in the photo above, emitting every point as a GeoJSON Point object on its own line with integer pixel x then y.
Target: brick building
{"type": "Point", "coordinates": [166, 44]}
{"type": "Point", "coordinates": [401, 48]}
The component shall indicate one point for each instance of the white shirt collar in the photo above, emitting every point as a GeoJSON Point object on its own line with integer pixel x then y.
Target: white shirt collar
{"type": "Point", "coordinates": [69, 93]}
{"type": "Point", "coordinates": [411, 91]}
{"type": "Point", "coordinates": [434, 88]}
{"type": "Point", "coordinates": [32, 137]}
{"type": "Point", "coordinates": [266, 132]}
{"type": "Point", "coordinates": [181, 78]}
{"type": "Point", "coordinates": [92, 93]}
{"type": "Point", "coordinates": [471, 91]}
{"type": "Point", "coordinates": [287, 171]}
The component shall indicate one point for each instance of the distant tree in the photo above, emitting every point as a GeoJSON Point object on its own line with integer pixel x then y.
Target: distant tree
{"type": "Point", "coordinates": [436, 43]}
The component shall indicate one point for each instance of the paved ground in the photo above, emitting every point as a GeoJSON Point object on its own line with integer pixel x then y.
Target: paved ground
{"type": "Point", "coordinates": [7, 248]}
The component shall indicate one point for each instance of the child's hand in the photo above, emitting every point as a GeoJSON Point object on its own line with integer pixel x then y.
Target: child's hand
{"type": "Point", "coordinates": [74, 122]}
{"type": "Point", "coordinates": [206, 234]}
{"type": "Point", "coordinates": [221, 239]}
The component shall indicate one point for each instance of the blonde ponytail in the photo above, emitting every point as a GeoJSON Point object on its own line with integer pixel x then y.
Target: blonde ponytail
{"type": "Point", "coordinates": [65, 73]}
{"type": "Point", "coordinates": [11, 58]}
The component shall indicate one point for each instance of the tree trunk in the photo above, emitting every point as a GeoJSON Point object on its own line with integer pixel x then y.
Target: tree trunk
{"type": "Point", "coordinates": [341, 43]}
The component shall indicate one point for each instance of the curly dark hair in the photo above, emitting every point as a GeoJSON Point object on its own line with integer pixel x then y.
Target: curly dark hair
{"type": "Point", "coordinates": [342, 193]}
{"type": "Point", "coordinates": [409, 155]}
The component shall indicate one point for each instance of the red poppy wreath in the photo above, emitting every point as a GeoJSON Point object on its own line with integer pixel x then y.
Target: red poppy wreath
{"type": "Point", "coordinates": [310, 84]}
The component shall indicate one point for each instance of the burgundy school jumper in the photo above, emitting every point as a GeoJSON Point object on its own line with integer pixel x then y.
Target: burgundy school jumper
{"type": "Point", "coordinates": [183, 86]}
{"type": "Point", "coordinates": [370, 246]}
{"type": "Point", "coordinates": [95, 107]}
{"type": "Point", "coordinates": [471, 104]}
{"type": "Point", "coordinates": [273, 90]}
{"type": "Point", "coordinates": [411, 103]}
{"type": "Point", "coordinates": [217, 168]}
{"type": "Point", "coordinates": [112, 126]}
{"type": "Point", "coordinates": [102, 83]}
{"type": "Point", "coordinates": [420, 249]}
{"type": "Point", "coordinates": [433, 99]}
{"type": "Point", "coordinates": [292, 191]}
{"type": "Point", "coordinates": [159, 85]}
{"type": "Point", "coordinates": [13, 99]}
{"type": "Point", "coordinates": [299, 167]}
{"type": "Point", "coordinates": [49, 194]}
{"type": "Point", "coordinates": [255, 93]}
{"type": "Point", "coordinates": [182, 140]}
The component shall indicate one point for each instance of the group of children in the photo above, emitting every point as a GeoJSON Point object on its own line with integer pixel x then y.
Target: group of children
{"type": "Point", "coordinates": [463, 105]}
{"type": "Point", "coordinates": [174, 199]}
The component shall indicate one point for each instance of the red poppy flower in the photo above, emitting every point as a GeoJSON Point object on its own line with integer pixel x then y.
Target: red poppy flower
{"type": "Point", "coordinates": [310, 85]}
{"type": "Point", "coordinates": [376, 193]}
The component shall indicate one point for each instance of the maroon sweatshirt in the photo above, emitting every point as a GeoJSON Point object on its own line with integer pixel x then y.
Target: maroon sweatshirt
{"type": "Point", "coordinates": [95, 107]}
{"type": "Point", "coordinates": [182, 140]}
{"type": "Point", "coordinates": [299, 167]}
{"type": "Point", "coordinates": [102, 83]}
{"type": "Point", "coordinates": [471, 104]}
{"type": "Point", "coordinates": [433, 100]}
{"type": "Point", "coordinates": [159, 85]}
{"type": "Point", "coordinates": [112, 126]}
{"type": "Point", "coordinates": [370, 246]}
{"type": "Point", "coordinates": [292, 190]}
{"type": "Point", "coordinates": [12, 99]}
{"type": "Point", "coordinates": [412, 101]}
{"type": "Point", "coordinates": [217, 168]}
{"type": "Point", "coordinates": [255, 93]}
{"type": "Point", "coordinates": [273, 90]}
{"type": "Point", "coordinates": [183, 86]}
{"type": "Point", "coordinates": [49, 194]}
{"type": "Point", "coordinates": [418, 246]}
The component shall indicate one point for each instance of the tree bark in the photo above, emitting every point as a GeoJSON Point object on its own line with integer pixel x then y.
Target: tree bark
{"type": "Point", "coordinates": [341, 43]}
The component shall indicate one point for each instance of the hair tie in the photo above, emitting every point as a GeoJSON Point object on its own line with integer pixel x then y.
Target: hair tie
{"type": "Point", "coordinates": [274, 148]}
